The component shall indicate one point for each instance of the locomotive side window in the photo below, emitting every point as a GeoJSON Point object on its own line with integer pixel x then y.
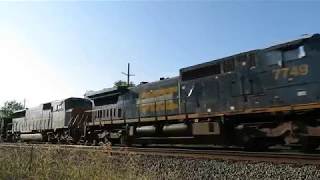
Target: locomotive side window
{"type": "Point", "coordinates": [107, 112]}
{"type": "Point", "coordinates": [19, 114]}
{"type": "Point", "coordinates": [74, 103]}
{"type": "Point", "coordinates": [273, 57]}
{"type": "Point", "coordinates": [119, 112]}
{"type": "Point", "coordinates": [288, 54]}
{"type": "Point", "coordinates": [293, 54]}
{"type": "Point", "coordinates": [47, 106]}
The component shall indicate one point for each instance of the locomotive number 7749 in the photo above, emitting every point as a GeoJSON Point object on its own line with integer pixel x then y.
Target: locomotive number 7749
{"type": "Point", "coordinates": [291, 71]}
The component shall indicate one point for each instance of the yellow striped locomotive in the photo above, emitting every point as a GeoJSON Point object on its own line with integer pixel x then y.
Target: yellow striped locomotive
{"type": "Point", "coordinates": [254, 99]}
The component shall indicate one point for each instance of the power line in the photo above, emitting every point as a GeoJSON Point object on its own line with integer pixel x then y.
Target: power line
{"type": "Point", "coordinates": [128, 75]}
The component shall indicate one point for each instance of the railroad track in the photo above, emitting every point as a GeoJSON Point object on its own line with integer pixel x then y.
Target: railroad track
{"type": "Point", "coordinates": [274, 157]}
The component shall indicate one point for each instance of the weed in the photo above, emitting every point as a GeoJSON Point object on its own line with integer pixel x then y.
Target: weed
{"type": "Point", "coordinates": [31, 163]}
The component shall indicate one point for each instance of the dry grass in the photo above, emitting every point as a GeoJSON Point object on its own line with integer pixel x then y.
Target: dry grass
{"type": "Point", "coordinates": [60, 163]}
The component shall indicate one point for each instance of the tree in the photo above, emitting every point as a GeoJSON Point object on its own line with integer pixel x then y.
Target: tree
{"type": "Point", "coordinates": [9, 107]}
{"type": "Point", "coordinates": [123, 83]}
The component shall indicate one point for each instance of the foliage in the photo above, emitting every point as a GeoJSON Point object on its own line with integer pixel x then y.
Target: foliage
{"type": "Point", "coordinates": [9, 107]}
{"type": "Point", "coordinates": [53, 162]}
{"type": "Point", "coordinates": [123, 83]}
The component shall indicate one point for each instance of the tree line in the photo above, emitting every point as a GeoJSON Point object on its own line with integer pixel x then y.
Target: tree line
{"type": "Point", "coordinates": [9, 107]}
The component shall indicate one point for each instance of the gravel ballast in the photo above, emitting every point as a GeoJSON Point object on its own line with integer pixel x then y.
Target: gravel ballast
{"type": "Point", "coordinates": [60, 163]}
{"type": "Point", "coordinates": [187, 168]}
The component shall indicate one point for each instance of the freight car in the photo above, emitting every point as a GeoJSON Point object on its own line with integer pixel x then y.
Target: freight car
{"type": "Point", "coordinates": [56, 121]}
{"type": "Point", "coordinates": [254, 99]}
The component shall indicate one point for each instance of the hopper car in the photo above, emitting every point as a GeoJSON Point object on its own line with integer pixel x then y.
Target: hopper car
{"type": "Point", "coordinates": [254, 99]}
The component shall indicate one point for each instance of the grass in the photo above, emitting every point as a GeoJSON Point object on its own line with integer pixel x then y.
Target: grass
{"type": "Point", "coordinates": [62, 163]}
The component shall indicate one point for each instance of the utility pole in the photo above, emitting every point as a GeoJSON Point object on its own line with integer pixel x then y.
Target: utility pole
{"type": "Point", "coordinates": [24, 103]}
{"type": "Point", "coordinates": [128, 75]}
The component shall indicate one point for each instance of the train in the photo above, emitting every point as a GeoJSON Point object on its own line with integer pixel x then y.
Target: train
{"type": "Point", "coordinates": [254, 99]}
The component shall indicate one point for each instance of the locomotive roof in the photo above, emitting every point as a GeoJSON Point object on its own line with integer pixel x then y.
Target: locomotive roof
{"type": "Point", "coordinates": [107, 91]}
{"type": "Point", "coordinates": [156, 82]}
{"type": "Point", "coordinates": [21, 110]}
{"type": "Point", "coordinates": [59, 100]}
{"type": "Point", "coordinates": [118, 90]}
{"type": "Point", "coordinates": [208, 63]}
{"type": "Point", "coordinates": [274, 46]}
{"type": "Point", "coordinates": [91, 93]}
{"type": "Point", "coordinates": [291, 42]}
{"type": "Point", "coordinates": [35, 107]}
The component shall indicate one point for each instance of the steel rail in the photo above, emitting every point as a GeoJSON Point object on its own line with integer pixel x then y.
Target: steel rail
{"type": "Point", "coordinates": [273, 157]}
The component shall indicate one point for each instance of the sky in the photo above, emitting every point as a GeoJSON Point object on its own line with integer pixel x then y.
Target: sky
{"type": "Point", "coordinates": [54, 50]}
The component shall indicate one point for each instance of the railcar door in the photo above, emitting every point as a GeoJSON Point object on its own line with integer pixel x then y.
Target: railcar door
{"type": "Point", "coordinates": [210, 96]}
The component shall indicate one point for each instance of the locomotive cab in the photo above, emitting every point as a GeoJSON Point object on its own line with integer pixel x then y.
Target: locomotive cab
{"type": "Point", "coordinates": [72, 103]}
{"type": "Point", "coordinates": [291, 74]}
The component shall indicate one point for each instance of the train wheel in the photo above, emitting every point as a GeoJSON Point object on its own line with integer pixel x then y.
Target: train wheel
{"type": "Point", "coordinates": [255, 144]}
{"type": "Point", "coordinates": [124, 140]}
{"type": "Point", "coordinates": [94, 143]}
{"type": "Point", "coordinates": [309, 144]}
{"type": "Point", "coordinates": [103, 141]}
{"type": "Point", "coordinates": [244, 140]}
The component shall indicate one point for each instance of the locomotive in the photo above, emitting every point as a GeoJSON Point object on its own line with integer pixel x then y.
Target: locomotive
{"type": "Point", "coordinates": [49, 122]}
{"type": "Point", "coordinates": [254, 99]}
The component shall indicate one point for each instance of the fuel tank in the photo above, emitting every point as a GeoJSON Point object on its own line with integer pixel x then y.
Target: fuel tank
{"type": "Point", "coordinates": [146, 130]}
{"type": "Point", "coordinates": [175, 129]}
{"type": "Point", "coordinates": [31, 137]}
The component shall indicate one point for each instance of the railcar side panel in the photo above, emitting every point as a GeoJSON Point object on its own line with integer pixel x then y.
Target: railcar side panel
{"type": "Point", "coordinates": [150, 100]}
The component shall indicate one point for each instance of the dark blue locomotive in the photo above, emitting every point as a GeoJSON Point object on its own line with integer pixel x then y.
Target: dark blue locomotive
{"type": "Point", "coordinates": [254, 99]}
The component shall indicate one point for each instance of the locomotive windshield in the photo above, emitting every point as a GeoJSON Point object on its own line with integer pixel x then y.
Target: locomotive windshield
{"type": "Point", "coordinates": [74, 103]}
{"type": "Point", "coordinates": [294, 51]}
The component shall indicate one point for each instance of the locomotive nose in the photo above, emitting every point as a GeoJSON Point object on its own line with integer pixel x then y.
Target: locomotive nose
{"type": "Point", "coordinates": [79, 111]}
